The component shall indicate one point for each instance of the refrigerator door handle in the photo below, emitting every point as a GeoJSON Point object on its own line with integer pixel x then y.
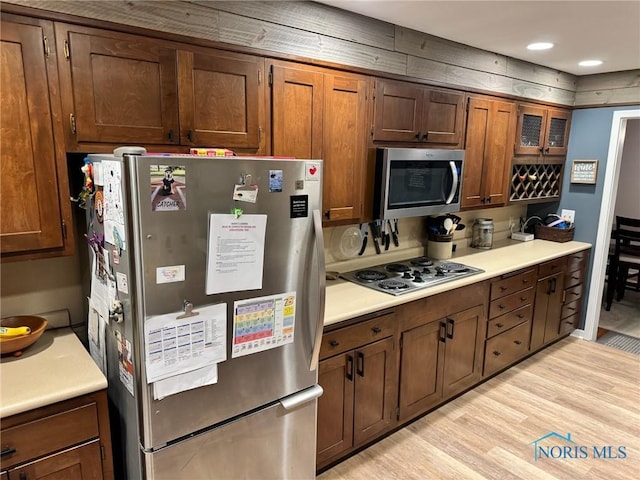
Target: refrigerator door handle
{"type": "Point", "coordinates": [305, 396]}
{"type": "Point", "coordinates": [317, 227]}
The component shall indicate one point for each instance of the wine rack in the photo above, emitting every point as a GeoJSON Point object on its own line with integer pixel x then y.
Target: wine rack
{"type": "Point", "coordinates": [531, 182]}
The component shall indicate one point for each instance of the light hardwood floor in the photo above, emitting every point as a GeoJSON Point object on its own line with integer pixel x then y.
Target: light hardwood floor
{"type": "Point", "coordinates": [583, 388]}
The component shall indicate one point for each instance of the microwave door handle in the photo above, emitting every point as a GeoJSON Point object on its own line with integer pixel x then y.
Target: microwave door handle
{"type": "Point", "coordinates": [454, 185]}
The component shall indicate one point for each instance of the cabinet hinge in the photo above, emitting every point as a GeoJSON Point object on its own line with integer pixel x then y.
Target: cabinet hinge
{"type": "Point", "coordinates": [67, 51]}
{"type": "Point", "coordinates": [64, 230]}
{"type": "Point", "coordinates": [72, 122]}
{"type": "Point", "coordinates": [45, 42]}
{"type": "Point", "coordinates": [270, 78]}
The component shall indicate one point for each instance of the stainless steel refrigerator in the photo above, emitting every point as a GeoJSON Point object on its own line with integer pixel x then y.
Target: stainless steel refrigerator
{"type": "Point", "coordinates": [161, 229]}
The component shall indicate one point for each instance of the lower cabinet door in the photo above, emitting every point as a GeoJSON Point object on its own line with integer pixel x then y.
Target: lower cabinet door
{"type": "Point", "coordinates": [335, 406]}
{"type": "Point", "coordinates": [375, 393]}
{"type": "Point", "coordinates": [421, 368]}
{"type": "Point", "coordinates": [78, 463]}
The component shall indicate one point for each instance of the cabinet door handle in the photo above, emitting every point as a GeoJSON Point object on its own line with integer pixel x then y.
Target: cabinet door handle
{"type": "Point", "coordinates": [496, 353]}
{"type": "Point", "coordinates": [170, 136]}
{"type": "Point", "coordinates": [350, 367]}
{"type": "Point", "coordinates": [7, 451]}
{"type": "Point", "coordinates": [190, 136]}
{"type": "Point", "coordinates": [450, 322]}
{"type": "Point", "coordinates": [360, 366]}
{"type": "Point", "coordinates": [418, 136]}
{"type": "Point", "coordinates": [334, 343]}
{"type": "Point", "coordinates": [443, 329]}
{"type": "Point", "coordinates": [517, 342]}
{"type": "Point", "coordinates": [553, 287]}
{"type": "Point", "coordinates": [23, 476]}
{"type": "Point", "coordinates": [376, 329]}
{"type": "Point", "coordinates": [499, 325]}
{"type": "Point", "coordinates": [425, 136]}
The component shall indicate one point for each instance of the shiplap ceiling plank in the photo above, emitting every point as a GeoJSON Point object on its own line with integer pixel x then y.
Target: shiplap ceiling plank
{"type": "Point", "coordinates": [249, 32]}
{"type": "Point", "coordinates": [172, 17]}
{"type": "Point", "coordinates": [441, 50]}
{"type": "Point", "coordinates": [538, 74]}
{"type": "Point", "coordinates": [618, 96]}
{"type": "Point", "coordinates": [464, 77]}
{"type": "Point", "coordinates": [607, 81]}
{"type": "Point", "coordinates": [314, 17]}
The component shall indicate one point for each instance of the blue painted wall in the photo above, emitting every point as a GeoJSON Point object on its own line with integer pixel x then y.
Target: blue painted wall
{"type": "Point", "coordinates": [588, 140]}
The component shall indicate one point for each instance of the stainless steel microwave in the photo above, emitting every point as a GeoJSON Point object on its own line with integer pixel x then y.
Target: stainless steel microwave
{"type": "Point", "coordinates": [415, 182]}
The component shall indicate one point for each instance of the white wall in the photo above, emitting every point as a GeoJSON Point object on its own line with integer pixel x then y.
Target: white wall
{"type": "Point", "coordinates": [628, 198]}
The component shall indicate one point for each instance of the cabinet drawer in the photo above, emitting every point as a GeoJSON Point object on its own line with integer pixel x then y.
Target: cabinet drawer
{"type": "Point", "coordinates": [572, 308]}
{"type": "Point", "coordinates": [510, 302]}
{"type": "Point", "coordinates": [574, 293]}
{"type": "Point", "coordinates": [573, 278]}
{"type": "Point", "coordinates": [505, 322]}
{"type": "Point", "coordinates": [50, 434]}
{"type": "Point", "coordinates": [509, 285]}
{"type": "Point", "coordinates": [576, 261]}
{"type": "Point", "coordinates": [552, 267]}
{"type": "Point", "coordinates": [504, 349]}
{"type": "Point", "coordinates": [569, 324]}
{"type": "Point", "coordinates": [348, 338]}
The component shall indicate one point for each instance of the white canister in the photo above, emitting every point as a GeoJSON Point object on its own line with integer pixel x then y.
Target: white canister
{"type": "Point", "coordinates": [439, 247]}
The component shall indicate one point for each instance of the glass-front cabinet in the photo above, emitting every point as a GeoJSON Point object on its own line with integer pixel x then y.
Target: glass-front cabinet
{"type": "Point", "coordinates": [542, 130]}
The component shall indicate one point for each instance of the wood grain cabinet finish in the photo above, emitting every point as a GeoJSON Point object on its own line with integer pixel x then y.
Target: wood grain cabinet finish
{"type": "Point", "coordinates": [542, 130]}
{"type": "Point", "coordinates": [573, 295]}
{"type": "Point", "coordinates": [409, 112]}
{"type": "Point", "coordinates": [68, 440]}
{"type": "Point", "coordinates": [323, 114]}
{"type": "Point", "coordinates": [548, 303]}
{"type": "Point", "coordinates": [34, 206]}
{"type": "Point", "coordinates": [117, 88]}
{"type": "Point", "coordinates": [488, 151]}
{"type": "Point", "coordinates": [360, 387]}
{"type": "Point", "coordinates": [439, 358]}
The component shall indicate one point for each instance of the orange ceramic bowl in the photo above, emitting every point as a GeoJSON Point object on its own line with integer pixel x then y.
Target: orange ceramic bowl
{"type": "Point", "coordinates": [17, 344]}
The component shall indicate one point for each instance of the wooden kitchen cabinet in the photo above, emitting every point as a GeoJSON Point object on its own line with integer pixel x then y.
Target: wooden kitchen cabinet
{"type": "Point", "coordinates": [542, 130]}
{"type": "Point", "coordinates": [127, 89]}
{"type": "Point", "coordinates": [69, 439]}
{"type": "Point", "coordinates": [357, 372]}
{"type": "Point", "coordinates": [409, 112]}
{"type": "Point", "coordinates": [319, 113]}
{"type": "Point", "coordinates": [573, 292]}
{"type": "Point", "coordinates": [488, 152]}
{"type": "Point", "coordinates": [440, 354]}
{"type": "Point", "coordinates": [547, 309]}
{"type": "Point", "coordinates": [117, 88]}
{"type": "Point", "coordinates": [34, 206]}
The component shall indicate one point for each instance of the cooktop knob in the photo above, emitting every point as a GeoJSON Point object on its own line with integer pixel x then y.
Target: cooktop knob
{"type": "Point", "coordinates": [439, 272]}
{"type": "Point", "coordinates": [406, 275]}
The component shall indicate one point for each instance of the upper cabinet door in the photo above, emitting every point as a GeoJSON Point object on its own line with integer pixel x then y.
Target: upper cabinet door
{"type": "Point", "coordinates": [557, 132]}
{"type": "Point", "coordinates": [443, 118]}
{"type": "Point", "coordinates": [542, 130]}
{"type": "Point", "coordinates": [221, 98]}
{"type": "Point", "coordinates": [297, 111]}
{"type": "Point", "coordinates": [31, 207]}
{"type": "Point", "coordinates": [117, 88]}
{"type": "Point", "coordinates": [398, 111]}
{"type": "Point", "coordinates": [345, 146]}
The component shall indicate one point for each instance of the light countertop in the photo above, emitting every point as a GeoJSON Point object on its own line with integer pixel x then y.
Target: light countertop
{"type": "Point", "coordinates": [56, 368]}
{"type": "Point", "coordinates": [346, 300]}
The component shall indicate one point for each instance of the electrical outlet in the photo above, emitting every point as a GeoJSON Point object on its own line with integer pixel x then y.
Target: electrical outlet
{"type": "Point", "coordinates": [568, 215]}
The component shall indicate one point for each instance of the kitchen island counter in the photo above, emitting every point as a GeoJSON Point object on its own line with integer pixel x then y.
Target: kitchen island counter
{"type": "Point", "coordinates": [56, 368]}
{"type": "Point", "coordinates": [346, 300]}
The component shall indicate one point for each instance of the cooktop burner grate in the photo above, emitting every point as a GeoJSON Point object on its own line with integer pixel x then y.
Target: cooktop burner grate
{"type": "Point", "coordinates": [397, 268]}
{"type": "Point", "coordinates": [370, 275]}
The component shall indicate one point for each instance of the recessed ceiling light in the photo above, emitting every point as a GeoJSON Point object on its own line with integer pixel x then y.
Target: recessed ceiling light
{"type": "Point", "coordinates": [540, 46]}
{"type": "Point", "coordinates": [590, 63]}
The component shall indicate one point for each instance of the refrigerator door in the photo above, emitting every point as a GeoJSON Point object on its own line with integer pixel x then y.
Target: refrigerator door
{"type": "Point", "coordinates": [293, 262]}
{"type": "Point", "coordinates": [276, 443]}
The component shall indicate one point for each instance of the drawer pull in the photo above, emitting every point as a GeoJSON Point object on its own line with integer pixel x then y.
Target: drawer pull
{"type": "Point", "coordinates": [501, 307]}
{"type": "Point", "coordinates": [334, 343]}
{"type": "Point", "coordinates": [523, 299]}
{"type": "Point", "coordinates": [525, 281]}
{"type": "Point", "coordinates": [496, 353]}
{"type": "Point", "coordinates": [499, 325]}
{"type": "Point", "coordinates": [503, 288]}
{"type": "Point", "coordinates": [517, 342]}
{"type": "Point", "coordinates": [575, 293]}
{"type": "Point", "coordinates": [7, 451]}
{"type": "Point", "coordinates": [376, 329]}
{"type": "Point", "coordinates": [571, 308]}
{"type": "Point", "coordinates": [575, 278]}
{"type": "Point", "coordinates": [520, 315]}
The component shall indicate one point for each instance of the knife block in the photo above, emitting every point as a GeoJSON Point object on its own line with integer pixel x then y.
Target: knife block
{"type": "Point", "coordinates": [439, 247]}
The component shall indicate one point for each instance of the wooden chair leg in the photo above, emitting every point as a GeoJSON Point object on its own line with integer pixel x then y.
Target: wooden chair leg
{"type": "Point", "coordinates": [611, 284]}
{"type": "Point", "coordinates": [623, 273]}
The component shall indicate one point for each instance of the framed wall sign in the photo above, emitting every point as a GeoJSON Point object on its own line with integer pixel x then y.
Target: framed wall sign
{"type": "Point", "coordinates": [584, 171]}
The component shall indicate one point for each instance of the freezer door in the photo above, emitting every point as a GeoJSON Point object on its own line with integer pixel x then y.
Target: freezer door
{"type": "Point", "coordinates": [293, 262]}
{"type": "Point", "coordinates": [278, 442]}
